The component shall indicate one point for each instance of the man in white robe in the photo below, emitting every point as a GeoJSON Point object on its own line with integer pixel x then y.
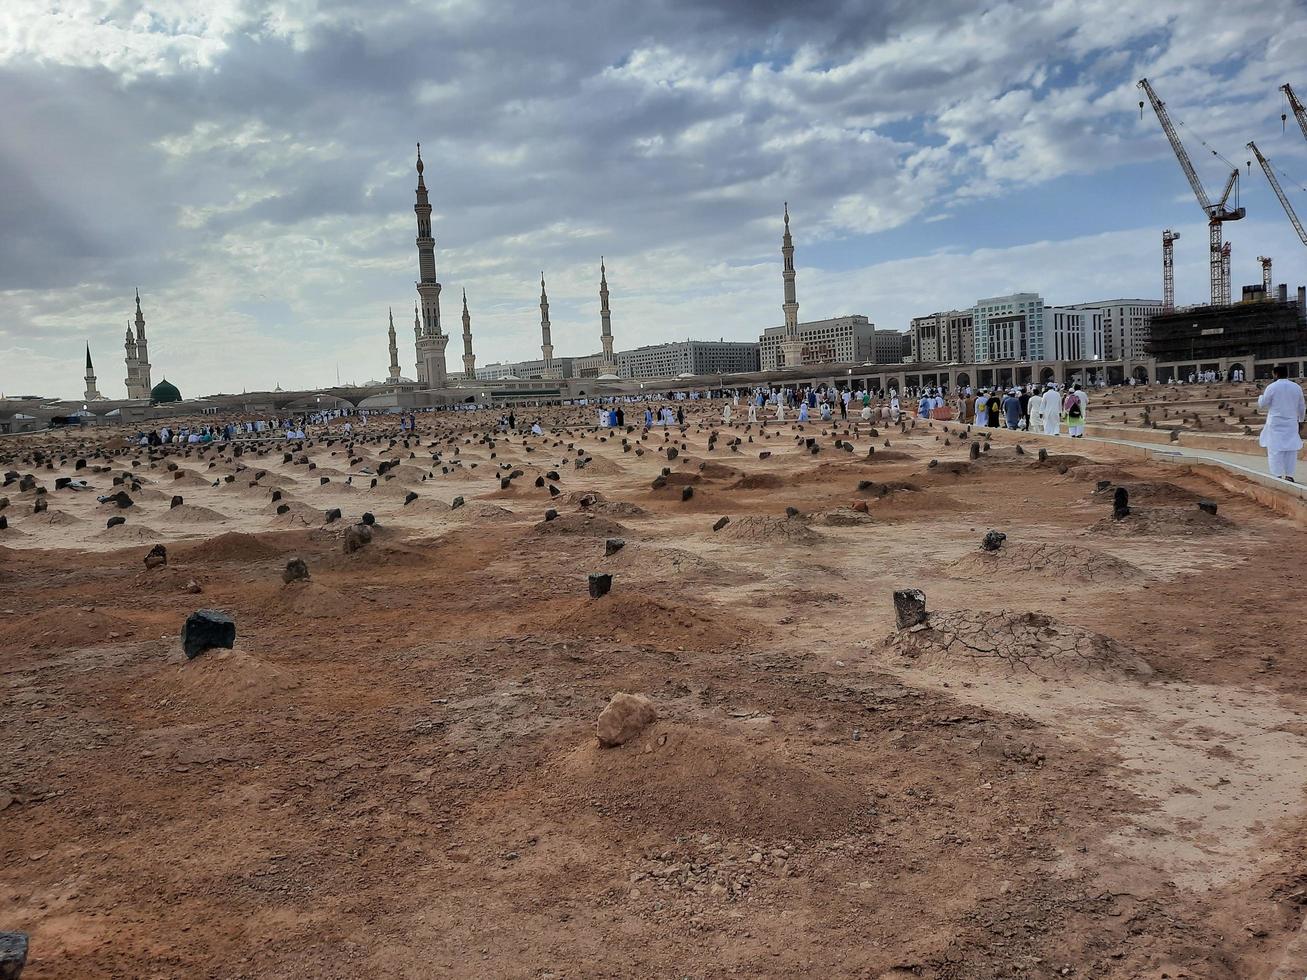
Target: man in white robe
{"type": "Point", "coordinates": [726, 414]}
{"type": "Point", "coordinates": [1035, 409]}
{"type": "Point", "coordinates": [1052, 411]}
{"type": "Point", "coordinates": [1282, 401]}
{"type": "Point", "coordinates": [753, 412]}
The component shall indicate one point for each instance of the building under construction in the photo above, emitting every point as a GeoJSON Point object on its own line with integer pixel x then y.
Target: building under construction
{"type": "Point", "coordinates": [1264, 329]}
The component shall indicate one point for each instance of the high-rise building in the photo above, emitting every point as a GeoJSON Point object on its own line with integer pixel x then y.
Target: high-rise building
{"type": "Point", "coordinates": [1125, 325]}
{"type": "Point", "coordinates": [1072, 333]}
{"type": "Point", "coordinates": [430, 338]}
{"type": "Point", "coordinates": [1010, 328]}
{"type": "Point", "coordinates": [840, 339]}
{"type": "Point", "coordinates": [927, 333]}
{"type": "Point", "coordinates": [891, 347]}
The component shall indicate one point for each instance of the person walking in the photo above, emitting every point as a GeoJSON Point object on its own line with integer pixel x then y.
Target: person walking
{"type": "Point", "coordinates": [1283, 403]}
{"type": "Point", "coordinates": [1052, 411]}
{"type": "Point", "coordinates": [1078, 412]}
{"type": "Point", "coordinates": [1012, 409]}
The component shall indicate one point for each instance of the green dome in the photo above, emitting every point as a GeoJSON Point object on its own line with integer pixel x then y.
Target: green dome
{"type": "Point", "coordinates": [165, 392]}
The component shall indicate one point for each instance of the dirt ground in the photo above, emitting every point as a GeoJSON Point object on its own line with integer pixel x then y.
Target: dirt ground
{"type": "Point", "coordinates": [1089, 761]}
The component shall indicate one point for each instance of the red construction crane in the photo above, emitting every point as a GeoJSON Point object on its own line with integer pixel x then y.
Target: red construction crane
{"type": "Point", "coordinates": [1217, 213]}
{"type": "Point", "coordinates": [1168, 270]}
{"type": "Point", "coordinates": [1266, 275]}
{"type": "Point", "coordinates": [1279, 191]}
{"type": "Point", "coordinates": [1299, 110]}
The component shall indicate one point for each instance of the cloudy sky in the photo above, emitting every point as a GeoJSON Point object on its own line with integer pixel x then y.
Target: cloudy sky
{"type": "Point", "coordinates": [249, 165]}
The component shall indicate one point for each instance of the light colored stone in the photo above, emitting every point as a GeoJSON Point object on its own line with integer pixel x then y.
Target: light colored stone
{"type": "Point", "coordinates": [625, 716]}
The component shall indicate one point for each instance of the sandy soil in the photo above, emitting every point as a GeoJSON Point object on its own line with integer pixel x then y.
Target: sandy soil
{"type": "Point", "coordinates": [1090, 760]}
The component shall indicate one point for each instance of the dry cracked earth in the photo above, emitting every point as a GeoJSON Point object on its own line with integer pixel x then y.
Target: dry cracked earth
{"type": "Point", "coordinates": [1089, 761]}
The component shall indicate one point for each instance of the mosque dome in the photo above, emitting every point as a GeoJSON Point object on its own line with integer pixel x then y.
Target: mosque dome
{"type": "Point", "coordinates": [165, 391]}
{"type": "Point", "coordinates": [608, 377]}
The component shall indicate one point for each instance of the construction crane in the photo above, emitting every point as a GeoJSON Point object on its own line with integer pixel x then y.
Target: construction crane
{"type": "Point", "coordinates": [1299, 110]}
{"type": "Point", "coordinates": [1168, 270]}
{"type": "Point", "coordinates": [1225, 275]}
{"type": "Point", "coordinates": [1266, 275]}
{"type": "Point", "coordinates": [1217, 213]}
{"type": "Point", "coordinates": [1279, 191]}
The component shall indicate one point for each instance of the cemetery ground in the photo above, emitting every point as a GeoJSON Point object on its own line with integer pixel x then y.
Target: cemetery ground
{"type": "Point", "coordinates": [1089, 759]}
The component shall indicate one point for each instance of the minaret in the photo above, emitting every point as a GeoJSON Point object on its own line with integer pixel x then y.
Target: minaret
{"type": "Point", "coordinates": [431, 344]}
{"type": "Point", "coordinates": [469, 359]}
{"type": "Point", "coordinates": [133, 379]}
{"type": "Point", "coordinates": [142, 350]}
{"type": "Point", "coordinates": [546, 345]}
{"type": "Point", "coordinates": [605, 321]}
{"type": "Point", "coordinates": [92, 394]}
{"type": "Point", "coordinates": [394, 350]}
{"type": "Point", "coordinates": [420, 368]}
{"type": "Point", "coordinates": [791, 345]}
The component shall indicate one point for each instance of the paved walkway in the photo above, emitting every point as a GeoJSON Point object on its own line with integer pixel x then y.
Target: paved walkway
{"type": "Point", "coordinates": [1244, 463]}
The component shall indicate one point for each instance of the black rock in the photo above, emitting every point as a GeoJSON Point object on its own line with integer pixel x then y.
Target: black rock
{"type": "Point", "coordinates": [297, 570]}
{"type": "Point", "coordinates": [993, 540]}
{"type": "Point", "coordinates": [686, 493]}
{"type": "Point", "coordinates": [115, 521]}
{"type": "Point", "coordinates": [1207, 506]}
{"type": "Point", "coordinates": [39, 505]}
{"type": "Point", "coordinates": [552, 475]}
{"type": "Point", "coordinates": [791, 512]}
{"type": "Point", "coordinates": [600, 585]}
{"type": "Point", "coordinates": [721, 523]}
{"type": "Point", "coordinates": [409, 498]}
{"type": "Point", "coordinates": [764, 455]}
{"type": "Point", "coordinates": [207, 629]}
{"type": "Point", "coordinates": [323, 480]}
{"type": "Point", "coordinates": [540, 481]}
{"type": "Point", "coordinates": [659, 482]}
{"type": "Point", "coordinates": [551, 514]}
{"type": "Point", "coordinates": [613, 545]}
{"type": "Point", "coordinates": [975, 450]}
{"type": "Point", "coordinates": [121, 499]}
{"type": "Point", "coordinates": [176, 501]}
{"type": "Point", "coordinates": [1121, 503]}
{"type": "Point", "coordinates": [4, 522]}
{"type": "Point", "coordinates": [505, 482]}
{"type": "Point", "coordinates": [276, 495]}
{"type": "Point", "coordinates": [367, 519]}
{"type": "Point", "coordinates": [62, 481]}
{"type": "Point", "coordinates": [456, 503]}
{"type": "Point", "coordinates": [1103, 485]}
{"type": "Point", "coordinates": [157, 557]}
{"type": "Point", "coordinates": [909, 607]}
{"type": "Point", "coordinates": [554, 491]}
{"type": "Point", "coordinates": [1043, 455]}
{"type": "Point", "coordinates": [333, 515]}
{"type": "Point", "coordinates": [13, 954]}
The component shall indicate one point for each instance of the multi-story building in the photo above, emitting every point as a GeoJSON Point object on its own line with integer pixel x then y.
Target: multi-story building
{"type": "Point", "coordinates": [688, 357]}
{"type": "Point", "coordinates": [558, 367]}
{"type": "Point", "coordinates": [1072, 333]}
{"type": "Point", "coordinates": [839, 339]}
{"type": "Point", "coordinates": [960, 337]}
{"type": "Point", "coordinates": [944, 337]}
{"type": "Point", "coordinates": [1010, 328]}
{"type": "Point", "coordinates": [927, 333]}
{"type": "Point", "coordinates": [1125, 325]}
{"type": "Point", "coordinates": [891, 347]}
{"type": "Point", "coordinates": [592, 366]}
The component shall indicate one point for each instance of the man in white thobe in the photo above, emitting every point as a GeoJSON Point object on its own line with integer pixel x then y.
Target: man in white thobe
{"type": "Point", "coordinates": [1035, 409]}
{"type": "Point", "coordinates": [1052, 405]}
{"type": "Point", "coordinates": [1285, 412]}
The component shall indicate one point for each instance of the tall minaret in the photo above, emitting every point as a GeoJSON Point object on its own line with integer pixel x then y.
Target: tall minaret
{"type": "Point", "coordinates": [133, 379]}
{"type": "Point", "coordinates": [791, 345]}
{"type": "Point", "coordinates": [431, 345]}
{"type": "Point", "coordinates": [92, 393]}
{"type": "Point", "coordinates": [605, 320]}
{"type": "Point", "coordinates": [469, 359]}
{"type": "Point", "coordinates": [420, 368]}
{"type": "Point", "coordinates": [546, 345]}
{"type": "Point", "coordinates": [394, 350]}
{"type": "Point", "coordinates": [142, 350]}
